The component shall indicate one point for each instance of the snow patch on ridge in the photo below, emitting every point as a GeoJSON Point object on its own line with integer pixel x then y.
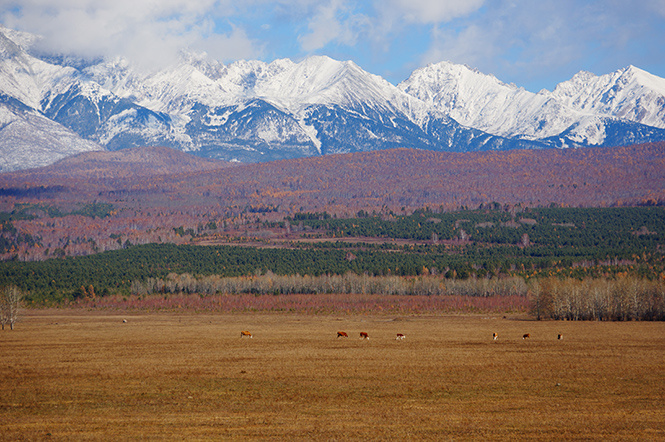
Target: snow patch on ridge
{"type": "Point", "coordinates": [312, 133]}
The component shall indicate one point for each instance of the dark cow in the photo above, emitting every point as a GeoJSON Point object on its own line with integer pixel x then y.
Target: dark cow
{"type": "Point", "coordinates": [342, 335]}
{"type": "Point", "coordinates": [400, 336]}
{"type": "Point", "coordinates": [526, 336]}
{"type": "Point", "coordinates": [495, 335]}
{"type": "Point", "coordinates": [559, 336]}
{"type": "Point", "coordinates": [364, 335]}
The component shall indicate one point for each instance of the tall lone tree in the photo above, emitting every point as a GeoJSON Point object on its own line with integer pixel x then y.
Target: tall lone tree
{"type": "Point", "coordinates": [10, 302]}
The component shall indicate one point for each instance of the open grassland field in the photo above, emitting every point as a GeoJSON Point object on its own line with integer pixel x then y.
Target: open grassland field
{"type": "Point", "coordinates": [74, 374]}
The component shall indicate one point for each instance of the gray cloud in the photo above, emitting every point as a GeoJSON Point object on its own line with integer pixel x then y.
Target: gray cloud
{"type": "Point", "coordinates": [149, 32]}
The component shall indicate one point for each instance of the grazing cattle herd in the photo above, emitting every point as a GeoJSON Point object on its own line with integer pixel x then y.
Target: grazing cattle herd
{"type": "Point", "coordinates": [400, 336]}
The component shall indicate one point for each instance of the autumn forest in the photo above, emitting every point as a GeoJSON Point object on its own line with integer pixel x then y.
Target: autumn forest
{"type": "Point", "coordinates": [566, 234]}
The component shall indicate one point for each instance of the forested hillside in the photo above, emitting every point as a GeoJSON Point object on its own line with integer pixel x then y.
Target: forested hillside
{"type": "Point", "coordinates": [487, 244]}
{"type": "Point", "coordinates": [575, 234]}
{"type": "Point", "coordinates": [100, 202]}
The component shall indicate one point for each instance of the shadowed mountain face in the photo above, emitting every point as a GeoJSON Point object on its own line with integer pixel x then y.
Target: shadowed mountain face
{"type": "Point", "coordinates": [250, 111]}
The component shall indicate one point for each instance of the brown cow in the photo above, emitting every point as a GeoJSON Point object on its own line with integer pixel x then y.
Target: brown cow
{"type": "Point", "coordinates": [399, 337]}
{"type": "Point", "coordinates": [559, 336]}
{"type": "Point", "coordinates": [364, 335]}
{"type": "Point", "coordinates": [245, 333]}
{"type": "Point", "coordinates": [526, 335]}
{"type": "Point", "coordinates": [342, 335]}
{"type": "Point", "coordinates": [495, 335]}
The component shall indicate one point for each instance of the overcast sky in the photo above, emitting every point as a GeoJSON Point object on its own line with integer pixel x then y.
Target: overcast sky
{"type": "Point", "coordinates": [532, 43]}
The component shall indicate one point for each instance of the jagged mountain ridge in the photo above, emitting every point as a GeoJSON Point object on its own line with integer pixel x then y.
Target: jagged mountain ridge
{"type": "Point", "coordinates": [257, 111]}
{"type": "Point", "coordinates": [583, 110]}
{"type": "Point", "coordinates": [629, 93]}
{"type": "Point", "coordinates": [28, 139]}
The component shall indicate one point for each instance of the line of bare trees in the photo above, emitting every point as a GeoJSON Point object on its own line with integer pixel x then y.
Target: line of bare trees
{"type": "Point", "coordinates": [330, 284]}
{"type": "Point", "coordinates": [10, 302]}
{"type": "Point", "coordinates": [622, 299]}
{"type": "Point", "coordinates": [617, 299]}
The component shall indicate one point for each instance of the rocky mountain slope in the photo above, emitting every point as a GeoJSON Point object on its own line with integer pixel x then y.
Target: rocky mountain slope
{"type": "Point", "coordinates": [587, 110]}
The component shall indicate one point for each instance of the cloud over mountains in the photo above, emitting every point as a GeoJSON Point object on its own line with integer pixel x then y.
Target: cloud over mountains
{"type": "Point", "coordinates": [536, 44]}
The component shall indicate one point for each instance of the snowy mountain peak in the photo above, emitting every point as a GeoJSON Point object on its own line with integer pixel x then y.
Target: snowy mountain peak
{"type": "Point", "coordinates": [445, 75]}
{"type": "Point", "coordinates": [479, 100]}
{"type": "Point", "coordinates": [313, 80]}
{"type": "Point", "coordinates": [622, 79]}
{"type": "Point", "coordinates": [635, 75]}
{"type": "Point", "coordinates": [23, 40]}
{"type": "Point", "coordinates": [256, 111]}
{"type": "Point", "coordinates": [630, 93]}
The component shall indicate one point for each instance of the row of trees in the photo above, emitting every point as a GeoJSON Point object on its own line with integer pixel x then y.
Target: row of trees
{"type": "Point", "coordinates": [349, 283]}
{"type": "Point", "coordinates": [56, 280]}
{"type": "Point", "coordinates": [621, 299]}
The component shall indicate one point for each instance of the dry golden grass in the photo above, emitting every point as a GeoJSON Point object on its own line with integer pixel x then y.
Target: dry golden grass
{"type": "Point", "coordinates": [87, 375]}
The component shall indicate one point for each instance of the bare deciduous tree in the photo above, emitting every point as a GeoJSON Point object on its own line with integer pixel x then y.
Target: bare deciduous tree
{"type": "Point", "coordinates": [10, 302]}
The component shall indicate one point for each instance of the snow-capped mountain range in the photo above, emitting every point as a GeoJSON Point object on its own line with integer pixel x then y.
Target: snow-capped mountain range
{"type": "Point", "coordinates": [53, 106]}
{"type": "Point", "coordinates": [583, 108]}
